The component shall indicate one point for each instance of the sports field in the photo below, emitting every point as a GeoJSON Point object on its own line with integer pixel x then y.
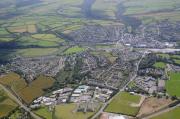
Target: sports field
{"type": "Point", "coordinates": [124, 103]}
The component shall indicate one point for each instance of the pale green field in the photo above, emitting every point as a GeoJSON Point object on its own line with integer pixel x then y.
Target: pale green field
{"type": "Point", "coordinates": [65, 111]}
{"type": "Point", "coordinates": [122, 104]}
{"type": "Point", "coordinates": [35, 52]}
{"type": "Point", "coordinates": [75, 49]}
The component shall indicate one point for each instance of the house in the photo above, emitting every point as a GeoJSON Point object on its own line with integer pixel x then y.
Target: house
{"type": "Point", "coordinates": [161, 85]}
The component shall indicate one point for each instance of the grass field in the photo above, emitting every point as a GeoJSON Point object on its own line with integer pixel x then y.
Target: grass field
{"type": "Point", "coordinates": [75, 49]}
{"type": "Point", "coordinates": [163, 55]}
{"type": "Point", "coordinates": [123, 104]}
{"type": "Point", "coordinates": [44, 112]}
{"type": "Point", "coordinates": [35, 52]}
{"type": "Point", "coordinates": [161, 65]}
{"type": "Point", "coordinates": [173, 85]}
{"type": "Point", "coordinates": [177, 61]}
{"type": "Point", "coordinates": [173, 114]}
{"type": "Point", "coordinates": [6, 104]}
{"type": "Point", "coordinates": [24, 28]}
{"type": "Point", "coordinates": [65, 111]}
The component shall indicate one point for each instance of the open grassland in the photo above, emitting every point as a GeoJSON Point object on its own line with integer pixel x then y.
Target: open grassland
{"type": "Point", "coordinates": [161, 65]}
{"type": "Point", "coordinates": [173, 114]}
{"type": "Point", "coordinates": [123, 104]}
{"type": "Point", "coordinates": [65, 111]}
{"type": "Point", "coordinates": [173, 85]}
{"type": "Point", "coordinates": [6, 104]}
{"type": "Point", "coordinates": [35, 52]}
{"type": "Point", "coordinates": [75, 49]}
{"type": "Point", "coordinates": [44, 112]}
{"type": "Point", "coordinates": [27, 92]}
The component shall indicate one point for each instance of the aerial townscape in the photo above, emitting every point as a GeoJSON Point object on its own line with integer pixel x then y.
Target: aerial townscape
{"type": "Point", "coordinates": [89, 59]}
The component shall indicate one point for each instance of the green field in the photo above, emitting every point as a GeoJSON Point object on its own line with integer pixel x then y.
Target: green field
{"type": "Point", "coordinates": [163, 55]}
{"type": "Point", "coordinates": [173, 85]}
{"type": "Point", "coordinates": [173, 114]}
{"type": "Point", "coordinates": [65, 111]}
{"type": "Point", "coordinates": [44, 112]}
{"type": "Point", "coordinates": [6, 104]}
{"type": "Point", "coordinates": [75, 49]}
{"type": "Point", "coordinates": [122, 104]}
{"type": "Point", "coordinates": [35, 52]}
{"type": "Point", "coordinates": [161, 65]}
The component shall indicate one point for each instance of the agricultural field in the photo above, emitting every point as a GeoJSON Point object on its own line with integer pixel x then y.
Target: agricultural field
{"type": "Point", "coordinates": [21, 29]}
{"type": "Point", "coordinates": [43, 112]}
{"type": "Point", "coordinates": [172, 85]}
{"type": "Point", "coordinates": [7, 104]}
{"type": "Point", "coordinates": [161, 65]}
{"type": "Point", "coordinates": [75, 49]}
{"type": "Point", "coordinates": [48, 37]}
{"type": "Point", "coordinates": [36, 52]}
{"type": "Point", "coordinates": [173, 114]}
{"type": "Point", "coordinates": [36, 88]}
{"type": "Point", "coordinates": [125, 103]}
{"type": "Point", "coordinates": [163, 55]}
{"type": "Point", "coordinates": [27, 92]}
{"type": "Point", "coordinates": [153, 104]}
{"type": "Point", "coordinates": [65, 111]}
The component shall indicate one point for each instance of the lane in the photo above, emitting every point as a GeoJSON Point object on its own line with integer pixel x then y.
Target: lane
{"type": "Point", "coordinates": [19, 102]}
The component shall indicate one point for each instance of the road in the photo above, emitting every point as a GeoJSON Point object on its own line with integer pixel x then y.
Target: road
{"type": "Point", "coordinates": [161, 112]}
{"type": "Point", "coordinates": [135, 75]}
{"type": "Point", "coordinates": [19, 102]}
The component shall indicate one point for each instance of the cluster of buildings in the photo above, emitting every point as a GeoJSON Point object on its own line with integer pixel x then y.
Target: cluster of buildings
{"type": "Point", "coordinates": [57, 97]}
{"type": "Point", "coordinates": [29, 68]}
{"type": "Point", "coordinates": [88, 93]}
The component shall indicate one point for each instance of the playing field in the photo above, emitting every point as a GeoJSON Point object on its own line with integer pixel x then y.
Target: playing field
{"type": "Point", "coordinates": [66, 111]}
{"type": "Point", "coordinates": [124, 103]}
{"type": "Point", "coordinates": [173, 85]}
{"type": "Point", "coordinates": [173, 114]}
